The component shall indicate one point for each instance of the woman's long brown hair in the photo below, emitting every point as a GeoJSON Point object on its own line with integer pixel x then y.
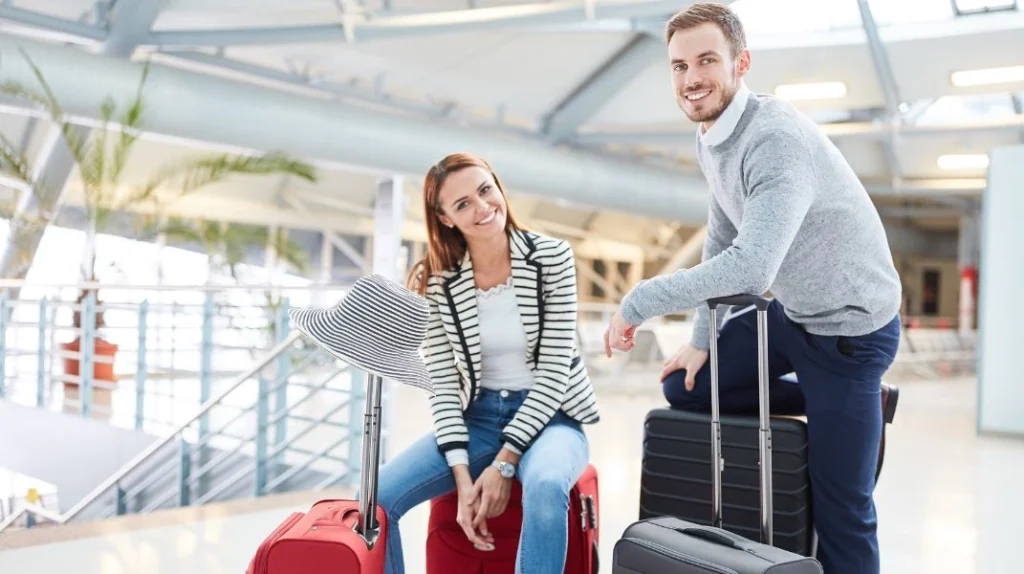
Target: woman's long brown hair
{"type": "Point", "coordinates": [446, 246]}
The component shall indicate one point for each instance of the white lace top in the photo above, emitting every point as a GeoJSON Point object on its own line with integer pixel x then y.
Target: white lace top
{"type": "Point", "coordinates": [502, 340]}
{"type": "Point", "coordinates": [502, 349]}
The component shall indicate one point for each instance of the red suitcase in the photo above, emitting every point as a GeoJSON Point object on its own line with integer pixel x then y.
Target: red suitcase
{"type": "Point", "coordinates": [335, 535]}
{"type": "Point", "coordinates": [448, 549]}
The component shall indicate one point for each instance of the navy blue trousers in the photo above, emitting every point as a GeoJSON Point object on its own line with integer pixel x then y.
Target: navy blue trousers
{"type": "Point", "coordinates": [839, 390]}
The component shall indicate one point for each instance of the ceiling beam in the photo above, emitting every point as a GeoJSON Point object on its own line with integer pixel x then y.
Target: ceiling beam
{"type": "Point", "coordinates": [253, 119]}
{"type": "Point", "coordinates": [310, 85]}
{"type": "Point", "coordinates": [928, 187]}
{"type": "Point", "coordinates": [129, 26]}
{"type": "Point", "coordinates": [835, 131]}
{"type": "Point", "coordinates": [890, 89]}
{"type": "Point", "coordinates": [601, 86]}
{"type": "Point", "coordinates": [360, 28]}
{"type": "Point", "coordinates": [354, 256]}
{"type": "Point", "coordinates": [688, 254]}
{"type": "Point", "coordinates": [44, 25]}
{"type": "Point", "coordinates": [920, 212]}
{"type": "Point", "coordinates": [880, 57]}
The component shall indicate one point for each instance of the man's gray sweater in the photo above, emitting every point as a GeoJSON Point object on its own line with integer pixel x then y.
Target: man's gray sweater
{"type": "Point", "coordinates": [788, 215]}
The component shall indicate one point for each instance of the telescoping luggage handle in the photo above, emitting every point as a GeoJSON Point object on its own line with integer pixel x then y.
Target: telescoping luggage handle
{"type": "Point", "coordinates": [765, 432]}
{"type": "Point", "coordinates": [369, 529]}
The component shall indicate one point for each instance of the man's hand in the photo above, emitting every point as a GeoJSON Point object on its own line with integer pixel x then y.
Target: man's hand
{"type": "Point", "coordinates": [689, 358]}
{"type": "Point", "coordinates": [619, 335]}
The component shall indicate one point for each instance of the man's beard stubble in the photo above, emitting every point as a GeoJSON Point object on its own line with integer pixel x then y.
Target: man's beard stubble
{"type": "Point", "coordinates": [709, 115]}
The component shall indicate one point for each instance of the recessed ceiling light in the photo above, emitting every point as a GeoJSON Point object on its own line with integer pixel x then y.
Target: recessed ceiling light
{"type": "Point", "coordinates": [811, 91]}
{"type": "Point", "coordinates": [987, 76]}
{"type": "Point", "coordinates": [963, 161]}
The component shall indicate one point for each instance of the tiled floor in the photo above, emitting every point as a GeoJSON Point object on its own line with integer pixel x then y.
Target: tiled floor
{"type": "Point", "coordinates": [949, 501]}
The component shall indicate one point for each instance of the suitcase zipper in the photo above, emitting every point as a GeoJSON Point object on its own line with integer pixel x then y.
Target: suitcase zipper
{"type": "Point", "coordinates": [676, 555]}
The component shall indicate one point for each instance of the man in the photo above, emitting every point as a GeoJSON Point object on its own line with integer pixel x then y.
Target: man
{"type": "Point", "coordinates": [786, 214]}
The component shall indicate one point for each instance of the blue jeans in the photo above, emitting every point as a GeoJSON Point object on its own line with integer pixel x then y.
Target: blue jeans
{"type": "Point", "coordinates": [547, 471]}
{"type": "Point", "coordinates": [840, 391]}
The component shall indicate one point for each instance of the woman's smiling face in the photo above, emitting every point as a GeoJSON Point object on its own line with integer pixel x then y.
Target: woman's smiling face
{"type": "Point", "coordinates": [471, 201]}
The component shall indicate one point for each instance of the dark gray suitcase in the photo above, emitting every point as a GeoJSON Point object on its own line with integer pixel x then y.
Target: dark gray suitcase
{"type": "Point", "coordinates": [667, 544]}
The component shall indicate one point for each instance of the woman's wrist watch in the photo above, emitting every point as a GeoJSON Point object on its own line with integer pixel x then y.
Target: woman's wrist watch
{"type": "Point", "coordinates": [506, 469]}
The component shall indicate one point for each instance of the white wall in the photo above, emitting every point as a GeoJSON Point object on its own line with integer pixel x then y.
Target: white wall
{"type": "Point", "coordinates": [1001, 295]}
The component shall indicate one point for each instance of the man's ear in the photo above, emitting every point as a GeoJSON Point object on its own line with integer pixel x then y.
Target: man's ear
{"type": "Point", "coordinates": [743, 63]}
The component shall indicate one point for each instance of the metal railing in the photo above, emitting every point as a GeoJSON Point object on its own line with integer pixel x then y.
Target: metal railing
{"type": "Point", "coordinates": [223, 451]}
{"type": "Point", "coordinates": [141, 357]}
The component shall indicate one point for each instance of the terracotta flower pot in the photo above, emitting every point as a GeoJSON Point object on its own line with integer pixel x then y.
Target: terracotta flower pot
{"type": "Point", "coordinates": [100, 371]}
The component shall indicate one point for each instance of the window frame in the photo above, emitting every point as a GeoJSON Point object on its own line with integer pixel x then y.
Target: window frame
{"type": "Point", "coordinates": [959, 12]}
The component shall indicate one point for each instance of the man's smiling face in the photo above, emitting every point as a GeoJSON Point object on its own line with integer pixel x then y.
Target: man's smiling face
{"type": "Point", "coordinates": [705, 75]}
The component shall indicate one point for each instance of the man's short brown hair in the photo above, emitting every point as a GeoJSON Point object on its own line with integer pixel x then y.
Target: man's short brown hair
{"type": "Point", "coordinates": [713, 13]}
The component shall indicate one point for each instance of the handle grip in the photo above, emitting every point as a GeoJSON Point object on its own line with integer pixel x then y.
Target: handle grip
{"type": "Point", "coordinates": [711, 536]}
{"type": "Point", "coordinates": [756, 300]}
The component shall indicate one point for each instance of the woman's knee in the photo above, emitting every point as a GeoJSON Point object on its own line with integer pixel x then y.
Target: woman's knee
{"type": "Point", "coordinates": [390, 494]}
{"type": "Point", "coordinates": [546, 498]}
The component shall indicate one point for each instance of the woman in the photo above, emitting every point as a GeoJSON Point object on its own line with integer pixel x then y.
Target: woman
{"type": "Point", "coordinates": [511, 392]}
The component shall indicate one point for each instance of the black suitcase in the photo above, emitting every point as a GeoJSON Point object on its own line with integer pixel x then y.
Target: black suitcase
{"type": "Point", "coordinates": [700, 544]}
{"type": "Point", "coordinates": [675, 477]}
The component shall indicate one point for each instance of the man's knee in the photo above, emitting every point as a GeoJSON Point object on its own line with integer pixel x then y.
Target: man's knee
{"type": "Point", "coordinates": [674, 389]}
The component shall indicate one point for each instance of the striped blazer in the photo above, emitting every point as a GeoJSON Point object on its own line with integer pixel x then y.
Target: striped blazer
{"type": "Point", "coordinates": [544, 280]}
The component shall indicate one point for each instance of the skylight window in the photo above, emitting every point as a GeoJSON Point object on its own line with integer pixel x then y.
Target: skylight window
{"type": "Point", "coordinates": [966, 108]}
{"type": "Point", "coordinates": [771, 17]}
{"type": "Point", "coordinates": [965, 7]}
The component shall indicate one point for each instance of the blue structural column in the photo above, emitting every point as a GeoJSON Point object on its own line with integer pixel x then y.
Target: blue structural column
{"type": "Point", "coordinates": [281, 380]}
{"type": "Point", "coordinates": [85, 349]}
{"type": "Point", "coordinates": [262, 416]}
{"type": "Point", "coordinates": [389, 215]}
{"type": "Point", "coordinates": [205, 390]}
{"type": "Point", "coordinates": [1001, 289]}
{"type": "Point", "coordinates": [140, 369]}
{"type": "Point", "coordinates": [3, 343]}
{"type": "Point", "coordinates": [41, 355]}
{"type": "Point", "coordinates": [206, 363]}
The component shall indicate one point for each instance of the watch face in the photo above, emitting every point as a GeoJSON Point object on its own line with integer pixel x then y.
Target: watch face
{"type": "Point", "coordinates": [506, 470]}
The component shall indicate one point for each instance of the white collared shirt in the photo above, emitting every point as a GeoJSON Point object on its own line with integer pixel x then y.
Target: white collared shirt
{"type": "Point", "coordinates": [726, 123]}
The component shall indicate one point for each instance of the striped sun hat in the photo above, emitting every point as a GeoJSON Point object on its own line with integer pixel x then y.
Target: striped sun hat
{"type": "Point", "coordinates": [377, 327]}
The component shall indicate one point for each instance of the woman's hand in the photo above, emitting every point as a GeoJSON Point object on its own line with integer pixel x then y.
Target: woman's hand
{"type": "Point", "coordinates": [469, 503]}
{"type": "Point", "coordinates": [493, 492]}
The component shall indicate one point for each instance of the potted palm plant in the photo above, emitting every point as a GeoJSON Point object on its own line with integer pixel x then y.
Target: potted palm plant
{"type": "Point", "coordinates": [101, 158]}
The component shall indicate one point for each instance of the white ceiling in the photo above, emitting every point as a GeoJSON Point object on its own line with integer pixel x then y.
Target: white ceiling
{"type": "Point", "coordinates": [518, 75]}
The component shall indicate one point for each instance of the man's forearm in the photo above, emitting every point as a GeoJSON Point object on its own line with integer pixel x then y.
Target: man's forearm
{"type": "Point", "coordinates": [748, 266]}
{"type": "Point", "coordinates": [687, 289]}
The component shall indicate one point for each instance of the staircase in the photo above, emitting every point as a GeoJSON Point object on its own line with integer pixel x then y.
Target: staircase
{"type": "Point", "coordinates": [291, 421]}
